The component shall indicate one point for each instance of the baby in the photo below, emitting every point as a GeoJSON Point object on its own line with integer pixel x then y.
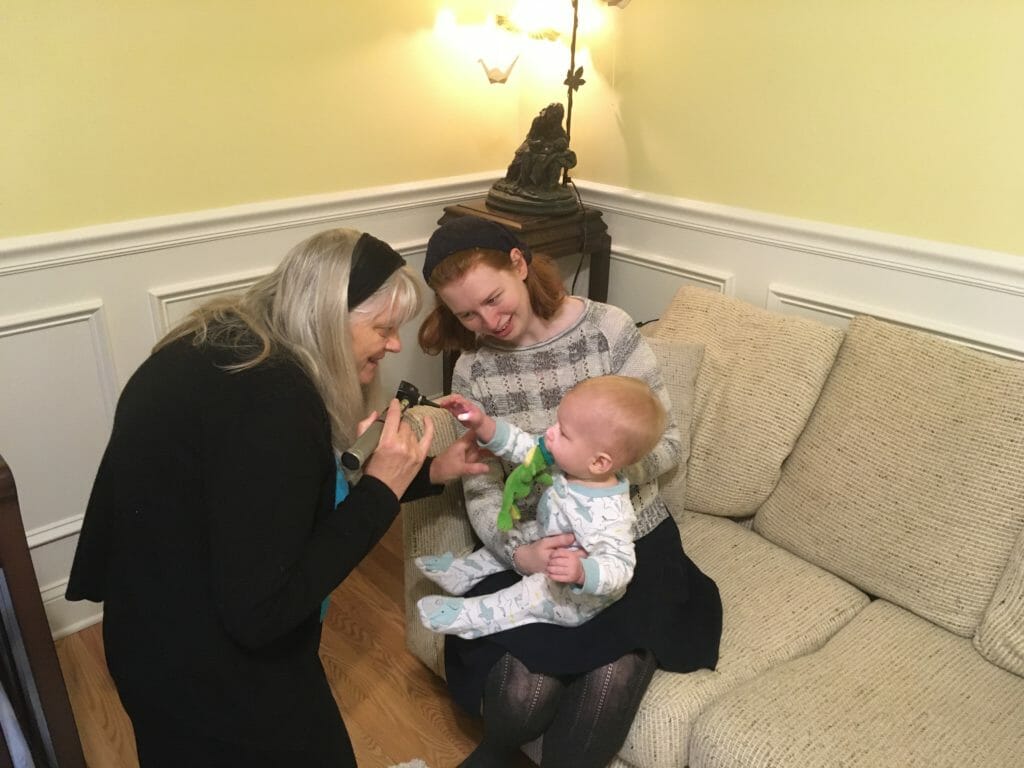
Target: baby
{"type": "Point", "coordinates": [604, 424]}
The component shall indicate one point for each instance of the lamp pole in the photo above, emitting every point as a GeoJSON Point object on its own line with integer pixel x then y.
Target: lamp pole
{"type": "Point", "coordinates": [570, 77]}
{"type": "Point", "coordinates": [573, 80]}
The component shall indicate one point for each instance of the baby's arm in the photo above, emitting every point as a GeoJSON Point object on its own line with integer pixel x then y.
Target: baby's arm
{"type": "Point", "coordinates": [607, 566]}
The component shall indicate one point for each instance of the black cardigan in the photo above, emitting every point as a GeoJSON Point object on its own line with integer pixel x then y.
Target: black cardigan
{"type": "Point", "coordinates": [212, 537]}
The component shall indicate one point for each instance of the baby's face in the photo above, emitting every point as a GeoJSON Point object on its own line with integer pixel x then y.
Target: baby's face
{"type": "Point", "coordinates": [570, 439]}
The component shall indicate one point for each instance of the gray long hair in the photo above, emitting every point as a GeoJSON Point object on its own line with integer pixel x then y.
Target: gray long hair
{"type": "Point", "coordinates": [301, 308]}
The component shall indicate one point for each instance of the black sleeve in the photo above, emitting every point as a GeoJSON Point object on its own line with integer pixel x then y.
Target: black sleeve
{"type": "Point", "coordinates": [277, 549]}
{"type": "Point", "coordinates": [421, 486]}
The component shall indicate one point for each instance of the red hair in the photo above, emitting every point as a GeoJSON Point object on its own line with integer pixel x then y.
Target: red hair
{"type": "Point", "coordinates": [441, 330]}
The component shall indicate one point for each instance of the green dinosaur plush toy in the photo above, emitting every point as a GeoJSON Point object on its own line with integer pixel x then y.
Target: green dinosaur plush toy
{"type": "Point", "coordinates": [534, 469]}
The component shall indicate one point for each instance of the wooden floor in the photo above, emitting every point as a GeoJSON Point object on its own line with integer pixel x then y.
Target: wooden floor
{"type": "Point", "coordinates": [394, 707]}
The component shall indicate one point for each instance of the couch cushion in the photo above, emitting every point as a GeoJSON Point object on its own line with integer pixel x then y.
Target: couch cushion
{"type": "Point", "coordinates": [679, 362]}
{"type": "Point", "coordinates": [1000, 638]}
{"type": "Point", "coordinates": [431, 526]}
{"type": "Point", "coordinates": [775, 607]}
{"type": "Point", "coordinates": [907, 481]}
{"type": "Point", "coordinates": [890, 690]}
{"type": "Point", "coordinates": [759, 379]}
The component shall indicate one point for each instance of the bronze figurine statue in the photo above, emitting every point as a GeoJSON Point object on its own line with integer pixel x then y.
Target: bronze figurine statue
{"type": "Point", "coordinates": [532, 183]}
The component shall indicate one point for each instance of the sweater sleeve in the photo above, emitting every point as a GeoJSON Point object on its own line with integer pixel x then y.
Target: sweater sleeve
{"type": "Point", "coordinates": [632, 356]}
{"type": "Point", "coordinates": [277, 547]}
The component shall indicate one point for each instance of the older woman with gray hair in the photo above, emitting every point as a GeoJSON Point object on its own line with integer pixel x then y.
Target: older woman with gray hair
{"type": "Point", "coordinates": [219, 521]}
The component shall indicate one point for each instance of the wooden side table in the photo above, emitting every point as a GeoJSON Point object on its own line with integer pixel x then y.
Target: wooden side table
{"type": "Point", "coordinates": [583, 233]}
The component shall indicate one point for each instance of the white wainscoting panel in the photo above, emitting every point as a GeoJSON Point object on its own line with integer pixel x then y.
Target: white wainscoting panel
{"type": "Point", "coordinates": [170, 304]}
{"type": "Point", "coordinates": [643, 282]}
{"type": "Point", "coordinates": [81, 310]}
{"type": "Point", "coordinates": [64, 357]}
{"type": "Point", "coordinates": [60, 390]}
{"type": "Point", "coordinates": [968, 295]}
{"type": "Point", "coordinates": [838, 312]}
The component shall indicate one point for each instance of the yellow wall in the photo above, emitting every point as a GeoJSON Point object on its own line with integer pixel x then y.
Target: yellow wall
{"type": "Point", "coordinates": [120, 109]}
{"type": "Point", "coordinates": [903, 116]}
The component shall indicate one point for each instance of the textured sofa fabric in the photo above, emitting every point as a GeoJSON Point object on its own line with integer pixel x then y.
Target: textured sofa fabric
{"type": "Point", "coordinates": [889, 690]}
{"type": "Point", "coordinates": [909, 479]}
{"type": "Point", "coordinates": [858, 497]}
{"type": "Point", "coordinates": [680, 363]}
{"type": "Point", "coordinates": [760, 377]}
{"type": "Point", "coordinates": [1000, 638]}
{"type": "Point", "coordinates": [775, 607]}
{"type": "Point", "coordinates": [432, 526]}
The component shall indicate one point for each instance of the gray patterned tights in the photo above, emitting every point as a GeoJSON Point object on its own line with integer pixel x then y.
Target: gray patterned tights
{"type": "Point", "coordinates": [584, 720]}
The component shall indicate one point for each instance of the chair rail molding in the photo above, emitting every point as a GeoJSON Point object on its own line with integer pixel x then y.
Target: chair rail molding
{"type": "Point", "coordinates": [992, 270]}
{"type": "Point", "coordinates": [33, 252]}
{"type": "Point", "coordinates": [784, 299]}
{"type": "Point", "coordinates": [966, 294]}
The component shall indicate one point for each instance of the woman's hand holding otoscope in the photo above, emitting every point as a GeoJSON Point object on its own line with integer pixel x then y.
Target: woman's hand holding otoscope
{"type": "Point", "coordinates": [463, 457]}
{"type": "Point", "coordinates": [366, 444]}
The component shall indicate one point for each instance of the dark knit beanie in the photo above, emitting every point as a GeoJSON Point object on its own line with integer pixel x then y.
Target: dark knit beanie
{"type": "Point", "coordinates": [466, 233]}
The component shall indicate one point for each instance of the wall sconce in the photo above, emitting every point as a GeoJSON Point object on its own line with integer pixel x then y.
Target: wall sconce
{"type": "Point", "coordinates": [531, 183]}
{"type": "Point", "coordinates": [537, 180]}
{"type": "Point", "coordinates": [494, 45]}
{"type": "Point", "coordinates": [499, 42]}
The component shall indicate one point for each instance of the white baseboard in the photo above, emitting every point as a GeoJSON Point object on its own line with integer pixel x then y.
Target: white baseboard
{"type": "Point", "coordinates": [66, 617]}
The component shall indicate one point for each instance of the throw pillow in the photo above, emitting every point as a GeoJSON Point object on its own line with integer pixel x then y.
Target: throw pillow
{"type": "Point", "coordinates": [760, 377]}
{"type": "Point", "coordinates": [679, 362]}
{"type": "Point", "coordinates": [1000, 638]}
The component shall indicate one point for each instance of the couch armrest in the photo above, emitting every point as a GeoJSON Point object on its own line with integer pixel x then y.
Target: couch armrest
{"type": "Point", "coordinates": [432, 526]}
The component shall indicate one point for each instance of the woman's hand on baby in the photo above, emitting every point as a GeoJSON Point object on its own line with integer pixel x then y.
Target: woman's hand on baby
{"type": "Point", "coordinates": [463, 457]}
{"type": "Point", "coordinates": [566, 566]}
{"type": "Point", "coordinates": [534, 557]}
{"type": "Point", "coordinates": [399, 454]}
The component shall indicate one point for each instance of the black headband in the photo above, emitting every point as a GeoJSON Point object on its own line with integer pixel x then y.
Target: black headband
{"type": "Point", "coordinates": [469, 232]}
{"type": "Point", "coordinates": [373, 262]}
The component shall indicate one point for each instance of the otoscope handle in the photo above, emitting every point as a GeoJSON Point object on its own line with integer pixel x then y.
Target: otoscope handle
{"type": "Point", "coordinates": [365, 444]}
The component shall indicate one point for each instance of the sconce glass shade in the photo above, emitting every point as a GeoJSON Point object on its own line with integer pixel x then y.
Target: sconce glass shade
{"type": "Point", "coordinates": [618, 3]}
{"type": "Point", "coordinates": [498, 73]}
{"type": "Point", "coordinates": [499, 51]}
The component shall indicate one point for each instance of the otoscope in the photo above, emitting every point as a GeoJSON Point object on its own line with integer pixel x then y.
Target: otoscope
{"type": "Point", "coordinates": [366, 443]}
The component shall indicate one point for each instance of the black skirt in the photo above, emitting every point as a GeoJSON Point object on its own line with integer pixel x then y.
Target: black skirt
{"type": "Point", "coordinates": [670, 608]}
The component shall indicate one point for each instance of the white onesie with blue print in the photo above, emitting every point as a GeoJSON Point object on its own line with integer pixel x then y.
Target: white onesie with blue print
{"type": "Point", "coordinates": [601, 520]}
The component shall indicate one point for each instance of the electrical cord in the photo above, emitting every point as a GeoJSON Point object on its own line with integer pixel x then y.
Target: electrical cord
{"type": "Point", "coordinates": [583, 233]}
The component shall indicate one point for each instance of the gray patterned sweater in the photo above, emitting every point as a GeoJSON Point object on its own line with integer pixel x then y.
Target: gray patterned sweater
{"type": "Point", "coordinates": [525, 385]}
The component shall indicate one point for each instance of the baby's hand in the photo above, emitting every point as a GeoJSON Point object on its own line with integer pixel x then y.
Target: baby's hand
{"type": "Point", "coordinates": [462, 409]}
{"type": "Point", "coordinates": [565, 566]}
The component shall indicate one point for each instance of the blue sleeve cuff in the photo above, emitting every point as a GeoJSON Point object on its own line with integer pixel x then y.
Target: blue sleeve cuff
{"type": "Point", "coordinates": [500, 436]}
{"type": "Point", "coordinates": [591, 576]}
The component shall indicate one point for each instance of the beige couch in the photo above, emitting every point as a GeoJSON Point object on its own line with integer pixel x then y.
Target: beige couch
{"type": "Point", "coordinates": [859, 498]}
